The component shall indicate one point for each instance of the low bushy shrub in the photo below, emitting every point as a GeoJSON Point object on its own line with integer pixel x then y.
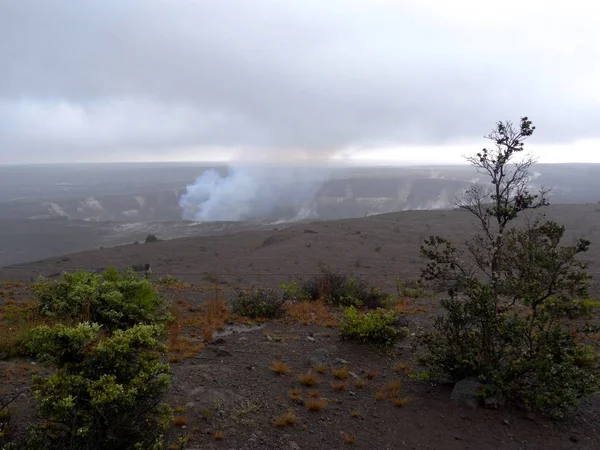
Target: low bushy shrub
{"type": "Point", "coordinates": [151, 238]}
{"type": "Point", "coordinates": [378, 327]}
{"type": "Point", "coordinates": [104, 393]}
{"type": "Point", "coordinates": [342, 290]}
{"type": "Point", "coordinates": [258, 303]}
{"type": "Point", "coordinates": [114, 300]}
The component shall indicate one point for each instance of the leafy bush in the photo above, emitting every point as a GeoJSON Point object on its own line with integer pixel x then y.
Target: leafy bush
{"type": "Point", "coordinates": [377, 327]}
{"type": "Point", "coordinates": [509, 315]}
{"type": "Point", "coordinates": [114, 300]}
{"type": "Point", "coordinates": [264, 303]}
{"type": "Point", "coordinates": [104, 393]}
{"type": "Point", "coordinates": [151, 238]}
{"type": "Point", "coordinates": [341, 290]}
{"type": "Point", "coordinates": [167, 280]}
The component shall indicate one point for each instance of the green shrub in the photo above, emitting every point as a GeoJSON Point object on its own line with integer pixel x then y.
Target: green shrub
{"type": "Point", "coordinates": [167, 280]}
{"type": "Point", "coordinates": [114, 300]}
{"type": "Point", "coordinates": [342, 290]}
{"type": "Point", "coordinates": [414, 290]}
{"type": "Point", "coordinates": [151, 238]}
{"type": "Point", "coordinates": [378, 327]}
{"type": "Point", "coordinates": [104, 393]}
{"type": "Point", "coordinates": [263, 303]}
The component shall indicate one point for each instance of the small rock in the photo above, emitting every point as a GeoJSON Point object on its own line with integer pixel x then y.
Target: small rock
{"type": "Point", "coordinates": [320, 357]}
{"type": "Point", "coordinates": [352, 393]}
{"type": "Point", "coordinates": [310, 339]}
{"type": "Point", "coordinates": [506, 422]}
{"type": "Point", "coordinates": [466, 391]}
{"type": "Point", "coordinates": [340, 361]}
{"type": "Point", "coordinates": [353, 375]}
{"type": "Point", "coordinates": [269, 338]}
{"type": "Point", "coordinates": [573, 438]}
{"type": "Point", "coordinates": [294, 446]}
{"type": "Point", "coordinates": [402, 322]}
{"type": "Point", "coordinates": [222, 352]}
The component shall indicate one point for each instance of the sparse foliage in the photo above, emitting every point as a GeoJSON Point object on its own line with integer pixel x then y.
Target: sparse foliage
{"type": "Point", "coordinates": [379, 327]}
{"type": "Point", "coordinates": [259, 303]}
{"type": "Point", "coordinates": [342, 290]}
{"type": "Point", "coordinates": [511, 291]}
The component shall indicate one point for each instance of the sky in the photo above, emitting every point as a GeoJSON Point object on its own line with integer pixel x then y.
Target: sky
{"type": "Point", "coordinates": [398, 81]}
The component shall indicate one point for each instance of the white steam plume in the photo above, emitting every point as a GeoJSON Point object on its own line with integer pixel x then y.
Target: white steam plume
{"type": "Point", "coordinates": [254, 191]}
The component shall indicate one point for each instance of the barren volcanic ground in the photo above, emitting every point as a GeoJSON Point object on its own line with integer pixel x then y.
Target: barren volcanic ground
{"type": "Point", "coordinates": [224, 388]}
{"type": "Point", "coordinates": [378, 247]}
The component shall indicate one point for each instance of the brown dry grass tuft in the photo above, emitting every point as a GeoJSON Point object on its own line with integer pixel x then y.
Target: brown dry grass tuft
{"type": "Point", "coordinates": [341, 373]}
{"type": "Point", "coordinates": [218, 436]}
{"type": "Point", "coordinates": [190, 321]}
{"type": "Point", "coordinates": [315, 404]}
{"type": "Point", "coordinates": [338, 386]}
{"type": "Point", "coordinates": [314, 394]}
{"type": "Point", "coordinates": [16, 321]}
{"type": "Point", "coordinates": [287, 419]}
{"type": "Point", "coordinates": [355, 413]}
{"type": "Point", "coordinates": [360, 383]}
{"type": "Point", "coordinates": [308, 379]}
{"type": "Point", "coordinates": [280, 368]}
{"type": "Point", "coordinates": [180, 421]}
{"type": "Point", "coordinates": [379, 394]}
{"type": "Point", "coordinates": [321, 368]}
{"type": "Point", "coordinates": [393, 388]}
{"type": "Point", "coordinates": [403, 367]}
{"type": "Point", "coordinates": [295, 394]}
{"type": "Point", "coordinates": [370, 374]}
{"type": "Point", "coordinates": [349, 439]}
{"type": "Point", "coordinates": [400, 402]}
{"type": "Point", "coordinates": [312, 313]}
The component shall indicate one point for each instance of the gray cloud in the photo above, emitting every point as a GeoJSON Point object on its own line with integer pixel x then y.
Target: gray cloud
{"type": "Point", "coordinates": [123, 76]}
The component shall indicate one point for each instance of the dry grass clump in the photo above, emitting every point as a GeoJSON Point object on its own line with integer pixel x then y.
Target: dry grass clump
{"type": "Point", "coordinates": [192, 324]}
{"type": "Point", "coordinates": [308, 379]}
{"type": "Point", "coordinates": [370, 374]}
{"type": "Point", "coordinates": [403, 367]}
{"type": "Point", "coordinates": [314, 394]}
{"type": "Point", "coordinates": [280, 368]}
{"type": "Point", "coordinates": [295, 394]}
{"type": "Point", "coordinates": [355, 413]}
{"type": "Point", "coordinates": [321, 368]}
{"type": "Point", "coordinates": [400, 402]}
{"type": "Point", "coordinates": [180, 421]}
{"type": "Point", "coordinates": [315, 404]}
{"type": "Point", "coordinates": [312, 313]}
{"type": "Point", "coordinates": [393, 388]}
{"type": "Point", "coordinates": [341, 373]}
{"type": "Point", "coordinates": [218, 436]}
{"type": "Point", "coordinates": [338, 386]}
{"type": "Point", "coordinates": [360, 383]}
{"type": "Point", "coordinates": [379, 394]}
{"type": "Point", "coordinates": [286, 419]}
{"type": "Point", "coordinates": [349, 439]}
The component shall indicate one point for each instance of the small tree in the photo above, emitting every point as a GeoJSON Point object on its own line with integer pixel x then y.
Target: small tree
{"type": "Point", "coordinates": [511, 290]}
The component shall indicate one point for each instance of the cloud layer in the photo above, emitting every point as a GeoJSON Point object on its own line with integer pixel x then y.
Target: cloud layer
{"type": "Point", "coordinates": [92, 80]}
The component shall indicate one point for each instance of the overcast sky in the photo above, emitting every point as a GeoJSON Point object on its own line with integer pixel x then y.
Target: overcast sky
{"type": "Point", "coordinates": [411, 80]}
